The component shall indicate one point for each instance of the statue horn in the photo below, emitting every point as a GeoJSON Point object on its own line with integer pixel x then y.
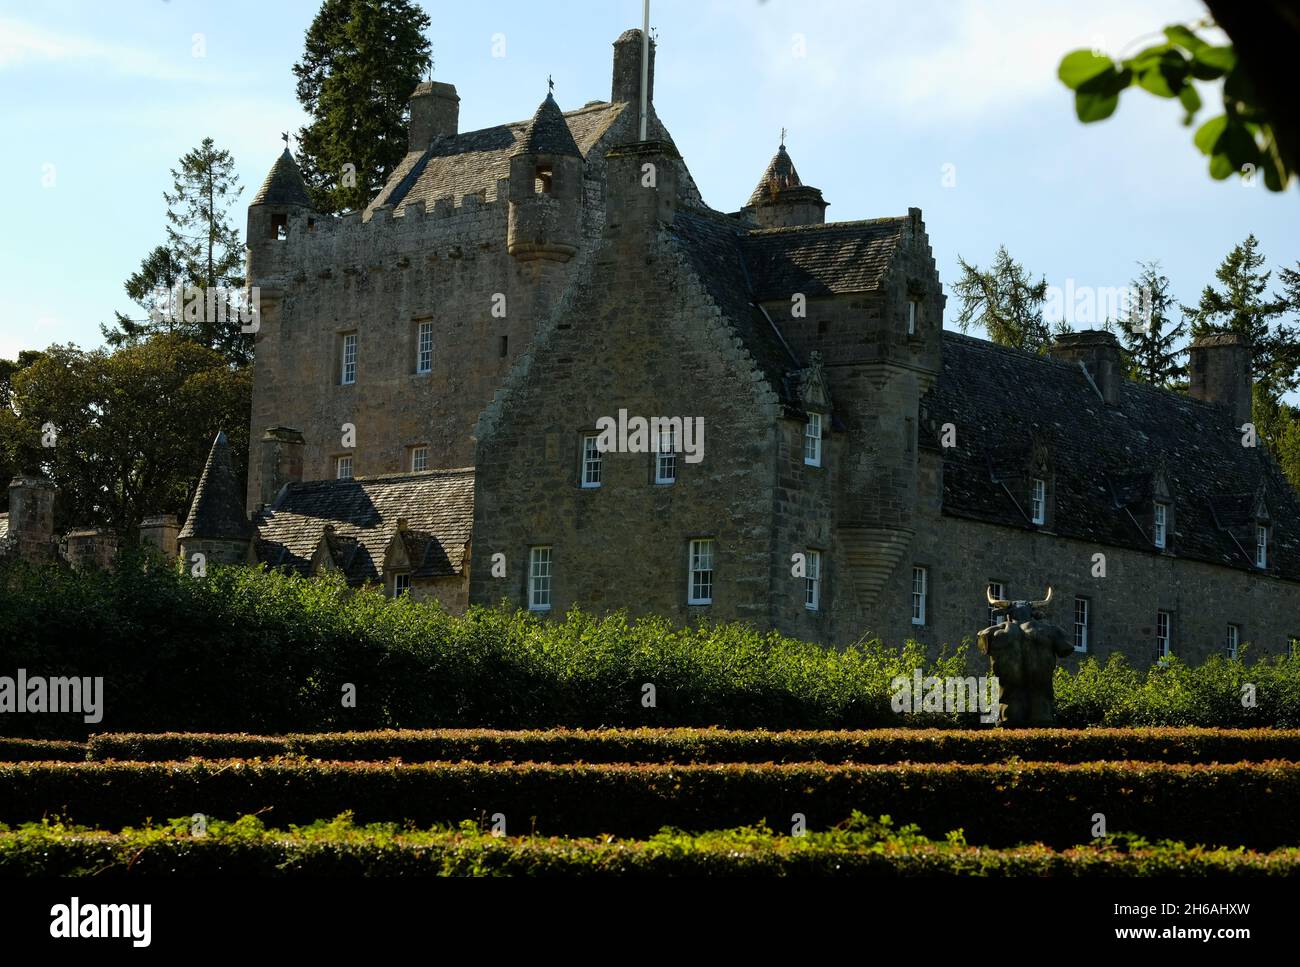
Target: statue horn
{"type": "Point", "coordinates": [1046, 601]}
{"type": "Point", "coordinates": [995, 602]}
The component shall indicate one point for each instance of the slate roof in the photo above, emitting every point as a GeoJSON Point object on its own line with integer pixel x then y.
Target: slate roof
{"type": "Point", "coordinates": [1103, 460]}
{"type": "Point", "coordinates": [217, 511]}
{"type": "Point", "coordinates": [780, 175]}
{"type": "Point", "coordinates": [473, 161]}
{"type": "Point", "coordinates": [283, 185]}
{"type": "Point", "coordinates": [741, 266]}
{"type": "Point", "coordinates": [438, 506]}
{"type": "Point", "coordinates": [548, 132]}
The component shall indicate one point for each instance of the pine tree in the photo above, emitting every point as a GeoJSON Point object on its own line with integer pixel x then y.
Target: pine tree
{"type": "Point", "coordinates": [361, 61]}
{"type": "Point", "coordinates": [1151, 343]}
{"type": "Point", "coordinates": [1244, 307]}
{"type": "Point", "coordinates": [1006, 302]}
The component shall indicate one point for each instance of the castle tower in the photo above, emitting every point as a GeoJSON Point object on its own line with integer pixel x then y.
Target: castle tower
{"type": "Point", "coordinates": [31, 518]}
{"type": "Point", "coordinates": [782, 200]}
{"type": "Point", "coordinates": [282, 196]}
{"type": "Point", "coordinates": [216, 526]}
{"type": "Point", "coordinates": [545, 189]}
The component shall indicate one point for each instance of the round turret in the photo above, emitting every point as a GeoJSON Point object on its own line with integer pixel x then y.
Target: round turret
{"type": "Point", "coordinates": [545, 189]}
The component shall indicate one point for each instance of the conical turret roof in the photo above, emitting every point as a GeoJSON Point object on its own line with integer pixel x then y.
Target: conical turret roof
{"type": "Point", "coordinates": [779, 176]}
{"type": "Point", "coordinates": [218, 509]}
{"type": "Point", "coordinates": [548, 132]}
{"type": "Point", "coordinates": [284, 185]}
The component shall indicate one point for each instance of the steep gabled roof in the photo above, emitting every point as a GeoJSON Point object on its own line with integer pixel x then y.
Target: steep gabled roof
{"type": "Point", "coordinates": [1103, 459]}
{"type": "Point", "coordinates": [363, 512]}
{"type": "Point", "coordinates": [474, 161]}
{"type": "Point", "coordinates": [284, 184]}
{"type": "Point", "coordinates": [217, 512]}
{"type": "Point", "coordinates": [820, 260]}
{"type": "Point", "coordinates": [779, 176]}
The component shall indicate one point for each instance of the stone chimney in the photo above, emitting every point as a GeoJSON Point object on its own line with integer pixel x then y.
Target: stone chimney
{"type": "Point", "coordinates": [1220, 373]}
{"type": "Point", "coordinates": [280, 461]}
{"type": "Point", "coordinates": [31, 518]}
{"type": "Point", "coordinates": [435, 111]}
{"type": "Point", "coordinates": [1099, 352]}
{"type": "Point", "coordinates": [627, 69]}
{"type": "Point", "coordinates": [641, 185]}
{"type": "Point", "coordinates": [159, 532]}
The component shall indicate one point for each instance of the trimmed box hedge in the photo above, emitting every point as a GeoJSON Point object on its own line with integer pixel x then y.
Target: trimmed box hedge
{"type": "Point", "coordinates": [245, 848]}
{"type": "Point", "coordinates": [1241, 804]}
{"type": "Point", "coordinates": [41, 750]}
{"type": "Point", "coordinates": [717, 745]}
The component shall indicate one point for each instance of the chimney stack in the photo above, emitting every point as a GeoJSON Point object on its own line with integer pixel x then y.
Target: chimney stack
{"type": "Point", "coordinates": [435, 111]}
{"type": "Point", "coordinates": [1220, 373]}
{"type": "Point", "coordinates": [641, 185]}
{"type": "Point", "coordinates": [627, 69]}
{"type": "Point", "coordinates": [1098, 350]}
{"type": "Point", "coordinates": [281, 461]}
{"type": "Point", "coordinates": [31, 518]}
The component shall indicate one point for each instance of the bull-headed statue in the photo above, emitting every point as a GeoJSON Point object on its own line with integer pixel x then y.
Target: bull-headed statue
{"type": "Point", "coordinates": [1023, 649]}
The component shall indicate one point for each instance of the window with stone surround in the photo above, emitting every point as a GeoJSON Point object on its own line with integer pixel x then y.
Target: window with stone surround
{"type": "Point", "coordinates": [920, 593]}
{"type": "Point", "coordinates": [1232, 640]}
{"type": "Point", "coordinates": [1261, 545]}
{"type": "Point", "coordinates": [699, 588]}
{"type": "Point", "coordinates": [591, 461]}
{"type": "Point", "coordinates": [424, 348]}
{"type": "Point", "coordinates": [343, 467]}
{"type": "Point", "coordinates": [543, 179]}
{"type": "Point", "coordinates": [401, 584]}
{"type": "Point", "coordinates": [812, 440]}
{"type": "Point", "coordinates": [812, 592]}
{"type": "Point", "coordinates": [997, 590]}
{"type": "Point", "coordinates": [419, 458]}
{"type": "Point", "coordinates": [913, 314]}
{"type": "Point", "coordinates": [1082, 623]}
{"type": "Point", "coordinates": [539, 579]}
{"type": "Point", "coordinates": [348, 359]}
{"type": "Point", "coordinates": [1038, 500]}
{"type": "Point", "coordinates": [1164, 634]}
{"type": "Point", "coordinates": [666, 457]}
{"type": "Point", "coordinates": [1160, 528]}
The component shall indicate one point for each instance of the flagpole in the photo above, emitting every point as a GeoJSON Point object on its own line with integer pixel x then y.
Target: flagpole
{"type": "Point", "coordinates": [645, 66]}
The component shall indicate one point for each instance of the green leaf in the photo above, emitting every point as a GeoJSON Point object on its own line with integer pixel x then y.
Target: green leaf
{"type": "Point", "coordinates": [1097, 98]}
{"type": "Point", "coordinates": [1080, 66]}
{"type": "Point", "coordinates": [1191, 102]}
{"type": "Point", "coordinates": [1221, 59]}
{"type": "Point", "coordinates": [1208, 134]}
{"type": "Point", "coordinates": [1145, 58]}
{"type": "Point", "coordinates": [1184, 38]}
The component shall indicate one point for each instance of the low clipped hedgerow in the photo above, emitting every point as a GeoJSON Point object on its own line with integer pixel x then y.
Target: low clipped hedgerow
{"type": "Point", "coordinates": [998, 804]}
{"type": "Point", "coordinates": [247, 650]}
{"type": "Point", "coordinates": [860, 847]}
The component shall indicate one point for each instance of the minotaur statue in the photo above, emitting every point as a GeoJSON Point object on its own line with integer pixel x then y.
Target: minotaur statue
{"type": "Point", "coordinates": [1022, 651]}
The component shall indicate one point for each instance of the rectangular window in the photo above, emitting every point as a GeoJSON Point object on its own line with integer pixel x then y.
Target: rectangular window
{"type": "Point", "coordinates": [812, 440]}
{"type": "Point", "coordinates": [996, 590]}
{"type": "Point", "coordinates": [401, 585]}
{"type": "Point", "coordinates": [1038, 501]}
{"type": "Point", "coordinates": [1163, 624]}
{"type": "Point", "coordinates": [812, 594]}
{"type": "Point", "coordinates": [1160, 536]}
{"type": "Point", "coordinates": [348, 375]}
{"type": "Point", "coordinates": [539, 579]}
{"type": "Point", "coordinates": [1081, 617]}
{"type": "Point", "coordinates": [505, 346]}
{"type": "Point", "coordinates": [343, 468]}
{"type": "Point", "coordinates": [590, 461]}
{"type": "Point", "coordinates": [424, 348]}
{"type": "Point", "coordinates": [1233, 640]}
{"type": "Point", "coordinates": [911, 317]}
{"type": "Point", "coordinates": [419, 458]}
{"type": "Point", "coordinates": [1261, 546]}
{"type": "Point", "coordinates": [700, 587]}
{"type": "Point", "coordinates": [666, 457]}
{"type": "Point", "coordinates": [920, 590]}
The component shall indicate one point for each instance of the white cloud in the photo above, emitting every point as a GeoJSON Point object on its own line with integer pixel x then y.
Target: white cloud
{"type": "Point", "coordinates": [23, 44]}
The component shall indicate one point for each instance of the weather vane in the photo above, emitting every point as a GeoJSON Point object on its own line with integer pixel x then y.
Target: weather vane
{"type": "Point", "coordinates": [550, 83]}
{"type": "Point", "coordinates": [284, 136]}
{"type": "Point", "coordinates": [783, 137]}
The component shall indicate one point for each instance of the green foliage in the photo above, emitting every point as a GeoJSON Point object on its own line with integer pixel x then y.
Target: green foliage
{"type": "Point", "coordinates": [993, 803]}
{"type": "Point", "coordinates": [361, 61]}
{"type": "Point", "coordinates": [685, 745]}
{"type": "Point", "coordinates": [1151, 344]}
{"type": "Point", "coordinates": [341, 847]}
{"type": "Point", "coordinates": [1239, 140]}
{"type": "Point", "coordinates": [133, 426]}
{"type": "Point", "coordinates": [1006, 301]}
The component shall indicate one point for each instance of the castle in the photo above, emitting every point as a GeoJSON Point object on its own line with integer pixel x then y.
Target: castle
{"type": "Point", "coordinates": [433, 378]}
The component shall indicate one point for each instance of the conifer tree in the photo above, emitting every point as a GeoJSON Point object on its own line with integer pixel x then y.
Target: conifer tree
{"type": "Point", "coordinates": [1152, 347]}
{"type": "Point", "coordinates": [1006, 301]}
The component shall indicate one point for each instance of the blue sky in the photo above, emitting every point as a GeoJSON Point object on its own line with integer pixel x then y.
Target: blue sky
{"type": "Point", "coordinates": [879, 99]}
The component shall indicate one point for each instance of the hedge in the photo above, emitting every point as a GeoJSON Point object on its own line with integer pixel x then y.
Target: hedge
{"type": "Point", "coordinates": [243, 650]}
{"type": "Point", "coordinates": [40, 750]}
{"type": "Point", "coordinates": [1245, 804]}
{"type": "Point", "coordinates": [857, 848]}
{"type": "Point", "coordinates": [716, 745]}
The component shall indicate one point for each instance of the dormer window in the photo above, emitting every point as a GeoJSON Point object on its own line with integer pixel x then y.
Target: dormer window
{"type": "Point", "coordinates": [543, 179]}
{"type": "Point", "coordinates": [812, 440]}
{"type": "Point", "coordinates": [1038, 501]}
{"type": "Point", "coordinates": [1261, 545]}
{"type": "Point", "coordinates": [913, 312]}
{"type": "Point", "coordinates": [1160, 528]}
{"type": "Point", "coordinates": [401, 584]}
